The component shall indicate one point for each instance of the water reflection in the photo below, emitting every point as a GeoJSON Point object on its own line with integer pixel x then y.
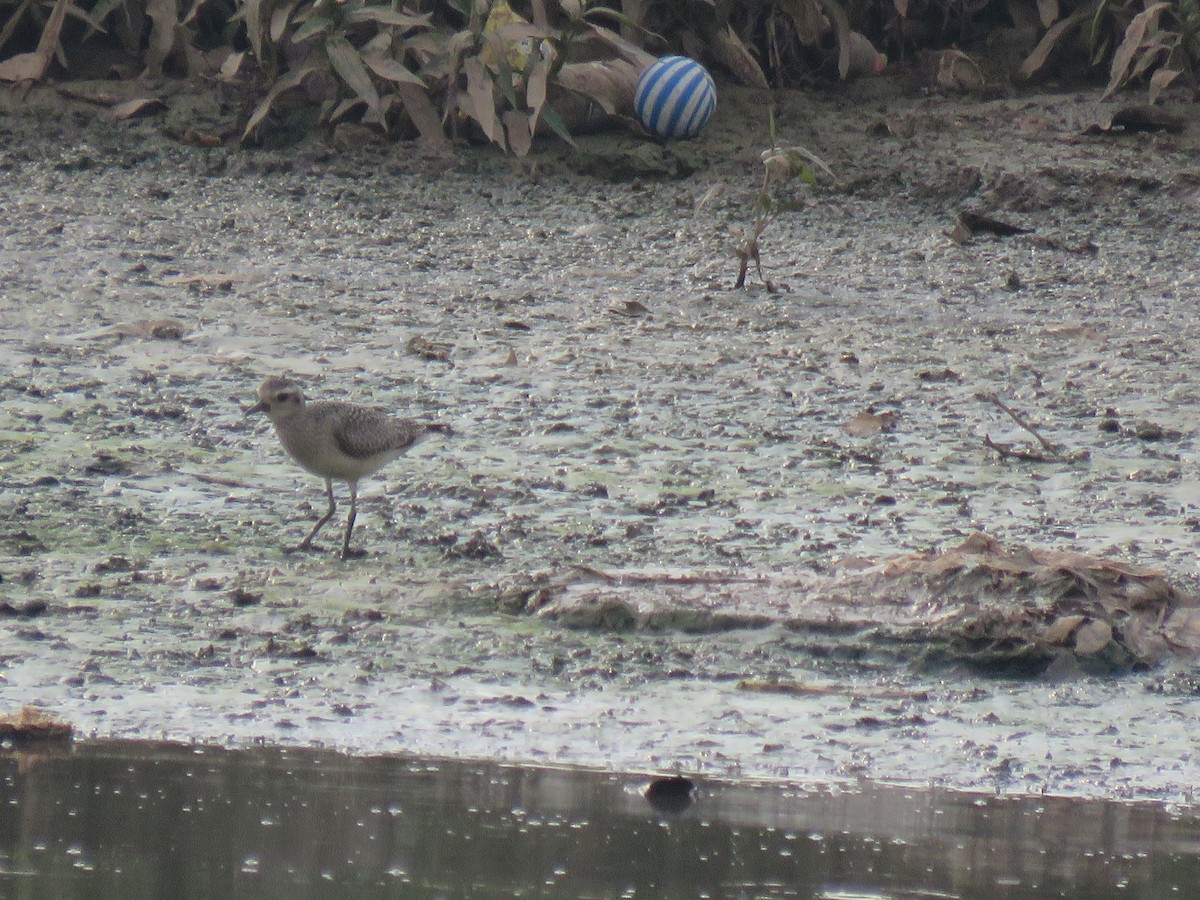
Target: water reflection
{"type": "Point", "coordinates": [137, 820]}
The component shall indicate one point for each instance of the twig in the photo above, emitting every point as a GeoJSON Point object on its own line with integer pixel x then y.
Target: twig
{"type": "Point", "coordinates": [214, 479]}
{"type": "Point", "coordinates": [593, 572]}
{"type": "Point", "coordinates": [828, 690]}
{"type": "Point", "coordinates": [1016, 417]}
{"type": "Point", "coordinates": [1006, 451]}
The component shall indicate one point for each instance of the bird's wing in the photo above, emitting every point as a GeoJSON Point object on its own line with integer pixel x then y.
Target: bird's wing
{"type": "Point", "coordinates": [363, 433]}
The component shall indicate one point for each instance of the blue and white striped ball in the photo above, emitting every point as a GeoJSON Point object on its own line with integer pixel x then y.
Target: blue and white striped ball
{"type": "Point", "coordinates": [675, 96]}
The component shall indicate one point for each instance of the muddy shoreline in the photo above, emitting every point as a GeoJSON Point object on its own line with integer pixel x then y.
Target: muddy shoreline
{"type": "Point", "coordinates": [614, 404]}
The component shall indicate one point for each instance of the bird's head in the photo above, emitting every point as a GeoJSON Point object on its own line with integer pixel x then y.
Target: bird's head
{"type": "Point", "coordinates": [280, 398]}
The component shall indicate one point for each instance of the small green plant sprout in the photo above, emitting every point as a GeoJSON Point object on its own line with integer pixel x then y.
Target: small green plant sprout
{"type": "Point", "coordinates": [787, 173]}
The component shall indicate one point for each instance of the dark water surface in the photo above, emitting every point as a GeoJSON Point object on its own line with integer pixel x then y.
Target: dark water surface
{"type": "Point", "coordinates": [129, 820]}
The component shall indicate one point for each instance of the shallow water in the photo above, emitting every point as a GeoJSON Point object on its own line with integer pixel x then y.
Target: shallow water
{"type": "Point", "coordinates": [140, 820]}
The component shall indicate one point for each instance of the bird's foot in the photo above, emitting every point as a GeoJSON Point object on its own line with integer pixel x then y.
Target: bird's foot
{"type": "Point", "coordinates": [304, 548]}
{"type": "Point", "coordinates": [353, 553]}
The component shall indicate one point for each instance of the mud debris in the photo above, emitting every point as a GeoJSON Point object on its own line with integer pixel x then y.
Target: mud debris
{"type": "Point", "coordinates": [1013, 610]}
{"type": "Point", "coordinates": [704, 435]}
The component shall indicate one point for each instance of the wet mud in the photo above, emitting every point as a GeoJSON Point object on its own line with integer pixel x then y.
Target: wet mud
{"type": "Point", "coordinates": [614, 404]}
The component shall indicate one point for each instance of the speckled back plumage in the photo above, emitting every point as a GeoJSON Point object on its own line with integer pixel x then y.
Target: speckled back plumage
{"type": "Point", "coordinates": [336, 440]}
{"type": "Point", "coordinates": [333, 438]}
{"type": "Point", "coordinates": [363, 431]}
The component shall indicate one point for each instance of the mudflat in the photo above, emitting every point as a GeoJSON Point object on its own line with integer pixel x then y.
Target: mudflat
{"type": "Point", "coordinates": [615, 404]}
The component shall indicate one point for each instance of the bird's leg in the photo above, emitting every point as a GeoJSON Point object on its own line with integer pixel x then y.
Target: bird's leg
{"type": "Point", "coordinates": [306, 544]}
{"type": "Point", "coordinates": [347, 553]}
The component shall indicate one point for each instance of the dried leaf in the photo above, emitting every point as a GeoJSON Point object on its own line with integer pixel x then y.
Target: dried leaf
{"type": "Point", "coordinates": [1144, 22]}
{"type": "Point", "coordinates": [519, 129]}
{"type": "Point", "coordinates": [256, 33]}
{"type": "Point", "coordinates": [808, 20]}
{"type": "Point", "coordinates": [1153, 50]}
{"type": "Point", "coordinates": [422, 114]}
{"type": "Point", "coordinates": [1077, 332]}
{"type": "Point", "coordinates": [164, 22]}
{"type": "Point", "coordinates": [49, 37]}
{"type": "Point", "coordinates": [482, 105]}
{"type": "Point", "coordinates": [282, 85]}
{"type": "Point", "coordinates": [343, 109]}
{"type": "Point", "coordinates": [1061, 629]}
{"type": "Point", "coordinates": [385, 15]}
{"type": "Point", "coordinates": [958, 72]}
{"type": "Point", "coordinates": [196, 60]}
{"type": "Point", "coordinates": [139, 106]}
{"type": "Point", "coordinates": [1037, 58]}
{"type": "Point", "coordinates": [347, 62]}
{"type": "Point", "coordinates": [379, 45]}
{"type": "Point", "coordinates": [194, 138]}
{"type": "Point", "coordinates": [624, 48]}
{"type": "Point", "coordinates": [229, 68]}
{"type": "Point", "coordinates": [89, 93]}
{"type": "Point", "coordinates": [729, 49]}
{"type": "Point", "coordinates": [93, 23]}
{"type": "Point", "coordinates": [32, 66]}
{"type": "Point", "coordinates": [280, 18]}
{"type": "Point", "coordinates": [389, 68]}
{"type": "Point", "coordinates": [867, 423]}
{"type": "Point", "coordinates": [607, 83]}
{"type": "Point", "coordinates": [960, 233]}
{"type": "Point", "coordinates": [1092, 637]}
{"type": "Point", "coordinates": [1160, 81]}
{"type": "Point", "coordinates": [535, 85]}
{"type": "Point", "coordinates": [1047, 12]}
{"type": "Point", "coordinates": [313, 25]}
{"type": "Point", "coordinates": [841, 27]}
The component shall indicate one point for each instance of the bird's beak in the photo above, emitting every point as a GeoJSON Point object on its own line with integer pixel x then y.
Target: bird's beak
{"type": "Point", "coordinates": [258, 407]}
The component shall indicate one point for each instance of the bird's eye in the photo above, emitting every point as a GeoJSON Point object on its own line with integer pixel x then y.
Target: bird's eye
{"type": "Point", "coordinates": [281, 397]}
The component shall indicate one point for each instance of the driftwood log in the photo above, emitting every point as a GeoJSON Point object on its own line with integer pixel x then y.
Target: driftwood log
{"type": "Point", "coordinates": [1008, 610]}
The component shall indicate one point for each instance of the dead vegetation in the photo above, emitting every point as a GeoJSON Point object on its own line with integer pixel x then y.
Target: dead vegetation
{"type": "Point", "coordinates": [30, 724]}
{"type": "Point", "coordinates": [505, 71]}
{"type": "Point", "coordinates": [1012, 610]}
